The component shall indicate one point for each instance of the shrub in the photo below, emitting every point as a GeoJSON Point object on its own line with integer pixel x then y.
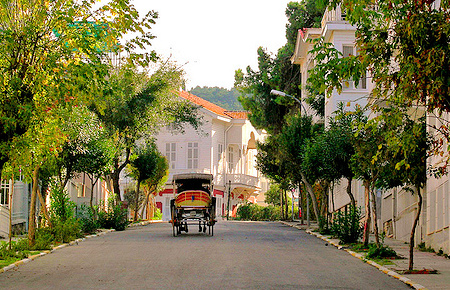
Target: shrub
{"type": "Point", "coordinates": [158, 214]}
{"type": "Point", "coordinates": [66, 231]}
{"type": "Point", "coordinates": [379, 252]}
{"type": "Point", "coordinates": [346, 226]}
{"type": "Point", "coordinates": [43, 239]}
{"type": "Point", "coordinates": [87, 219]}
{"type": "Point", "coordinates": [115, 217]}
{"type": "Point", "coordinates": [255, 212]}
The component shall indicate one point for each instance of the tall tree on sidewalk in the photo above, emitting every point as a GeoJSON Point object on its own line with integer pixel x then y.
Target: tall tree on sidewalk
{"type": "Point", "coordinates": [136, 104]}
{"type": "Point", "coordinates": [52, 52]}
{"type": "Point", "coordinates": [145, 165]}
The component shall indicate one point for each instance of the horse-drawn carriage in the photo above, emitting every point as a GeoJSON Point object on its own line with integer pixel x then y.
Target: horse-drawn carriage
{"type": "Point", "coordinates": [193, 203]}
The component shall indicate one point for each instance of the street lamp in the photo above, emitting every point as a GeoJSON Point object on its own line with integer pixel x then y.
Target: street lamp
{"type": "Point", "coordinates": [283, 94]}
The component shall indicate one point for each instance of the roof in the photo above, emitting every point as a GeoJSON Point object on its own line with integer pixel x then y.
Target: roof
{"type": "Point", "coordinates": [212, 107]}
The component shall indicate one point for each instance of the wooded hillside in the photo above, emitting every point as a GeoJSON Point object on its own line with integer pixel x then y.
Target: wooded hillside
{"type": "Point", "coordinates": [227, 99]}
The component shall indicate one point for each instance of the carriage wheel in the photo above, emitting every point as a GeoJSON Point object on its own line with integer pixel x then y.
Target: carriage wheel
{"type": "Point", "coordinates": [211, 229]}
{"type": "Point", "coordinates": [174, 230]}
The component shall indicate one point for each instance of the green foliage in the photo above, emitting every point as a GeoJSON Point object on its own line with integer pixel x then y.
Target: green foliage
{"type": "Point", "coordinates": [255, 212]}
{"type": "Point", "coordinates": [66, 231]}
{"type": "Point", "coordinates": [227, 99]}
{"type": "Point", "coordinates": [346, 225]}
{"type": "Point", "coordinates": [272, 196]}
{"type": "Point", "coordinates": [41, 52]}
{"type": "Point", "coordinates": [61, 207]}
{"type": "Point", "coordinates": [115, 217]}
{"type": "Point", "coordinates": [44, 239]}
{"type": "Point", "coordinates": [380, 252]}
{"type": "Point", "coordinates": [87, 219]}
{"type": "Point", "coordinates": [17, 250]}
{"type": "Point", "coordinates": [158, 214]}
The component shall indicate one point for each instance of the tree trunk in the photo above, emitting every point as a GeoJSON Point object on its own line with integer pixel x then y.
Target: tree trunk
{"type": "Point", "coordinates": [44, 207]}
{"type": "Point", "coordinates": [282, 204]}
{"type": "Point", "coordinates": [136, 201]}
{"type": "Point", "coordinates": [32, 218]}
{"type": "Point", "coordinates": [91, 201]}
{"type": "Point", "coordinates": [116, 173]}
{"type": "Point", "coordinates": [349, 192]}
{"type": "Point", "coordinates": [367, 214]}
{"type": "Point", "coordinates": [413, 230]}
{"type": "Point", "coordinates": [310, 191]}
{"type": "Point", "coordinates": [286, 205]}
{"type": "Point", "coordinates": [375, 216]}
{"type": "Point", "coordinates": [144, 205]}
{"type": "Point", "coordinates": [300, 202]}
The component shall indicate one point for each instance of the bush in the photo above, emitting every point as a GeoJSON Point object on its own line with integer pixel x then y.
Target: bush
{"type": "Point", "coordinates": [255, 212]}
{"type": "Point", "coordinates": [346, 226]}
{"type": "Point", "coordinates": [114, 218]}
{"type": "Point", "coordinates": [379, 252]}
{"type": "Point", "coordinates": [158, 214]}
{"type": "Point", "coordinates": [87, 219]}
{"type": "Point", "coordinates": [43, 239]}
{"type": "Point", "coordinates": [5, 252]}
{"type": "Point", "coordinates": [66, 231]}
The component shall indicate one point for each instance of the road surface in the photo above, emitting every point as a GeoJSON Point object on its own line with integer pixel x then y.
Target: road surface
{"type": "Point", "coordinates": [240, 255]}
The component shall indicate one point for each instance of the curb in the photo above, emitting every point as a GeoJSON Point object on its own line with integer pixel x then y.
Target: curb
{"type": "Point", "coordinates": [383, 269]}
{"type": "Point", "coordinates": [43, 253]}
{"type": "Point", "coordinates": [144, 223]}
{"type": "Point", "coordinates": [72, 243]}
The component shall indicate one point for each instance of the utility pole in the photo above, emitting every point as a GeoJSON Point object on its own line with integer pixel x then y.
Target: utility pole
{"type": "Point", "coordinates": [228, 203]}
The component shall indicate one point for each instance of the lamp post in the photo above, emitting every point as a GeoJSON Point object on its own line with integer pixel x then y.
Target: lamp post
{"type": "Point", "coordinates": [283, 94]}
{"type": "Point", "coordinates": [228, 203]}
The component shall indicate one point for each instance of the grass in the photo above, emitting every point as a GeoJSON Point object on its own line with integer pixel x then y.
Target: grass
{"type": "Point", "coordinates": [8, 261]}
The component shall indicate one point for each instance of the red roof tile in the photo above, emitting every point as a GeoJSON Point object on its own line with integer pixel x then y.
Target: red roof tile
{"type": "Point", "coordinates": [212, 107]}
{"type": "Point", "coordinates": [237, 114]}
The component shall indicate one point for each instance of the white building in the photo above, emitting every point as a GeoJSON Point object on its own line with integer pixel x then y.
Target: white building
{"type": "Point", "coordinates": [224, 146]}
{"type": "Point", "coordinates": [397, 207]}
{"type": "Point", "coordinates": [18, 200]}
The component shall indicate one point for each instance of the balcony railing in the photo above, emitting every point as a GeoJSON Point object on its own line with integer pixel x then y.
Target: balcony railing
{"type": "Point", "coordinates": [334, 15]}
{"type": "Point", "coordinates": [243, 179]}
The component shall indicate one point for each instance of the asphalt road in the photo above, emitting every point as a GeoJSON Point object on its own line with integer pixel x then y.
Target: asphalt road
{"type": "Point", "coordinates": [240, 255]}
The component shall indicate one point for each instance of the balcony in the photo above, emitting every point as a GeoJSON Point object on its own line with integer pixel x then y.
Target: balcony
{"type": "Point", "coordinates": [243, 180]}
{"type": "Point", "coordinates": [335, 15]}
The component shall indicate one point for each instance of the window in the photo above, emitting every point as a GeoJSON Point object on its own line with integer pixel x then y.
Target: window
{"type": "Point", "coordinates": [230, 159]}
{"type": "Point", "coordinates": [219, 152]}
{"type": "Point", "coordinates": [192, 155]}
{"type": "Point", "coordinates": [349, 50]}
{"type": "Point", "coordinates": [4, 192]}
{"type": "Point", "coordinates": [171, 154]}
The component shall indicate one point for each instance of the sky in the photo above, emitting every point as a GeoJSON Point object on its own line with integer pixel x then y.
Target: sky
{"type": "Point", "coordinates": [211, 39]}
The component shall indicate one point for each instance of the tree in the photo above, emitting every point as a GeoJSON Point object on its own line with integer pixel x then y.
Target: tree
{"type": "Point", "coordinates": [405, 46]}
{"type": "Point", "coordinates": [366, 166]}
{"type": "Point", "coordinates": [227, 99]}
{"type": "Point", "coordinates": [136, 105]}
{"type": "Point", "coordinates": [293, 140]}
{"type": "Point", "coordinates": [34, 151]}
{"type": "Point", "coordinates": [52, 52]}
{"type": "Point", "coordinates": [270, 112]}
{"type": "Point", "coordinates": [145, 165]}
{"type": "Point", "coordinates": [157, 180]}
{"type": "Point", "coordinates": [405, 153]}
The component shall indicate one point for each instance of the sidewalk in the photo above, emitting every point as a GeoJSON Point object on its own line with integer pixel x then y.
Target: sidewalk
{"type": "Point", "coordinates": [422, 260]}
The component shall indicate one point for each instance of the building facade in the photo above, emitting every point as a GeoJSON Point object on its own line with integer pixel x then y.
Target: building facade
{"type": "Point", "coordinates": [225, 146]}
{"type": "Point", "coordinates": [396, 208]}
